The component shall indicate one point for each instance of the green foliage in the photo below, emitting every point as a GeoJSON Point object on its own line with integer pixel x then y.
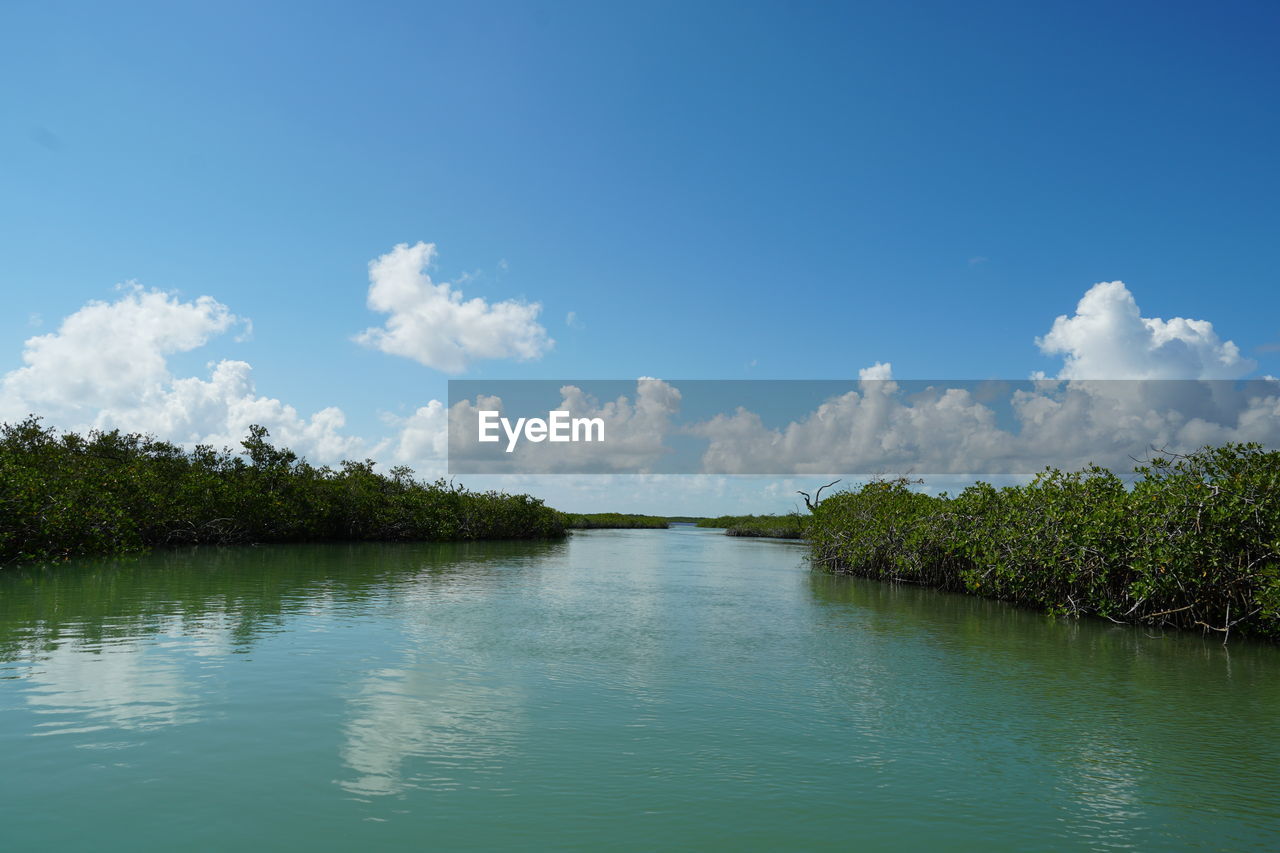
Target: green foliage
{"type": "Point", "coordinates": [790, 526]}
{"type": "Point", "coordinates": [65, 494]}
{"type": "Point", "coordinates": [1195, 543]}
{"type": "Point", "coordinates": [612, 520]}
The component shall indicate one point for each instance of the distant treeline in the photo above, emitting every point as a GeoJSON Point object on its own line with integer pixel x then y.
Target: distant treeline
{"type": "Point", "coordinates": [612, 520]}
{"type": "Point", "coordinates": [775, 526]}
{"type": "Point", "coordinates": [1194, 543]}
{"type": "Point", "coordinates": [63, 494]}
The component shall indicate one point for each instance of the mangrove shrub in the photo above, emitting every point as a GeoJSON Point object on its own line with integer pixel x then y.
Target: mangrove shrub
{"type": "Point", "coordinates": [63, 494]}
{"type": "Point", "coordinates": [1193, 543]}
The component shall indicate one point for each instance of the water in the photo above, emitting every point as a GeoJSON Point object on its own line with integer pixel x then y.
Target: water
{"type": "Point", "coordinates": [620, 690]}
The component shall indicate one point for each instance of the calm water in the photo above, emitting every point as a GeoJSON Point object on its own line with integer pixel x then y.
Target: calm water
{"type": "Point", "coordinates": [623, 689]}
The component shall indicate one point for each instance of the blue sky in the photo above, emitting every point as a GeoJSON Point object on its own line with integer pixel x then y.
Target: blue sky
{"type": "Point", "coordinates": [716, 190]}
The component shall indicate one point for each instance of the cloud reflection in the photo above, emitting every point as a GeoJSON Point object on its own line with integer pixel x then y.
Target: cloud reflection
{"type": "Point", "coordinates": [129, 685]}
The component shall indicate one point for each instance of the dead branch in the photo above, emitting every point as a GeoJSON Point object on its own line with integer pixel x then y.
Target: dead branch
{"type": "Point", "coordinates": [817, 496]}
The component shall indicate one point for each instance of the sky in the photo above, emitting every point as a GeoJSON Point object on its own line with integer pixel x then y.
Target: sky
{"type": "Point", "coordinates": [316, 214]}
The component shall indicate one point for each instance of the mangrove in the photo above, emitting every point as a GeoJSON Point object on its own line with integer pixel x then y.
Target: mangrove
{"type": "Point", "coordinates": [1193, 542]}
{"type": "Point", "coordinates": [63, 495]}
{"type": "Point", "coordinates": [613, 521]}
{"type": "Point", "coordinates": [791, 526]}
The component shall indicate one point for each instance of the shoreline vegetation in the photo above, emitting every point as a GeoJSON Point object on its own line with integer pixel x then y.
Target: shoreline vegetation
{"type": "Point", "coordinates": [1193, 543]}
{"type": "Point", "coordinates": [64, 495]}
{"type": "Point", "coordinates": [613, 521]}
{"type": "Point", "coordinates": [791, 526]}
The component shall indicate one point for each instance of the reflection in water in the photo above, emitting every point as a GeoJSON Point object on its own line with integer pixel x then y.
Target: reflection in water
{"type": "Point", "coordinates": [124, 685]}
{"type": "Point", "coordinates": [1119, 729]}
{"type": "Point", "coordinates": [80, 678]}
{"type": "Point", "coordinates": [1104, 779]}
{"type": "Point", "coordinates": [443, 711]}
{"type": "Point", "coordinates": [125, 643]}
{"type": "Point", "coordinates": [625, 688]}
{"type": "Point", "coordinates": [426, 711]}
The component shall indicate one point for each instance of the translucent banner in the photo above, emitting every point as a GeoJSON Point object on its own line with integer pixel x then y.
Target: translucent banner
{"type": "Point", "coordinates": [855, 427]}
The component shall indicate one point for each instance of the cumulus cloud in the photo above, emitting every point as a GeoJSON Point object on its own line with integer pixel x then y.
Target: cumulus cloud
{"type": "Point", "coordinates": [1170, 400]}
{"type": "Point", "coordinates": [107, 366]}
{"type": "Point", "coordinates": [1180, 392]}
{"type": "Point", "coordinates": [877, 371]}
{"type": "Point", "coordinates": [432, 323]}
{"type": "Point", "coordinates": [900, 426]}
{"type": "Point", "coordinates": [1108, 338]}
{"type": "Point", "coordinates": [421, 440]}
{"type": "Point", "coordinates": [870, 430]}
{"type": "Point", "coordinates": [110, 354]}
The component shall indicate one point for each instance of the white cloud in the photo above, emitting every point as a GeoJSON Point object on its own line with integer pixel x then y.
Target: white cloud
{"type": "Point", "coordinates": [1108, 338]}
{"type": "Point", "coordinates": [571, 320]}
{"type": "Point", "coordinates": [888, 426]}
{"type": "Point", "coordinates": [219, 410]}
{"type": "Point", "coordinates": [421, 441]}
{"type": "Point", "coordinates": [110, 354]}
{"type": "Point", "coordinates": [107, 367]}
{"type": "Point", "coordinates": [957, 430]}
{"type": "Point", "coordinates": [866, 431]}
{"type": "Point", "coordinates": [877, 372]}
{"type": "Point", "coordinates": [951, 430]}
{"type": "Point", "coordinates": [432, 324]}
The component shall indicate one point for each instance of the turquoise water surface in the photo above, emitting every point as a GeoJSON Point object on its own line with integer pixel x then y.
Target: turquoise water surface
{"type": "Point", "coordinates": [623, 690]}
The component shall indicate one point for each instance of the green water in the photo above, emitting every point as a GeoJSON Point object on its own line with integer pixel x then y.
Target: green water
{"type": "Point", "coordinates": [620, 690]}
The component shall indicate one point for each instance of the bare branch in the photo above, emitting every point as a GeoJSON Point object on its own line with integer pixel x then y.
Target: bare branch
{"type": "Point", "coordinates": [817, 496]}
